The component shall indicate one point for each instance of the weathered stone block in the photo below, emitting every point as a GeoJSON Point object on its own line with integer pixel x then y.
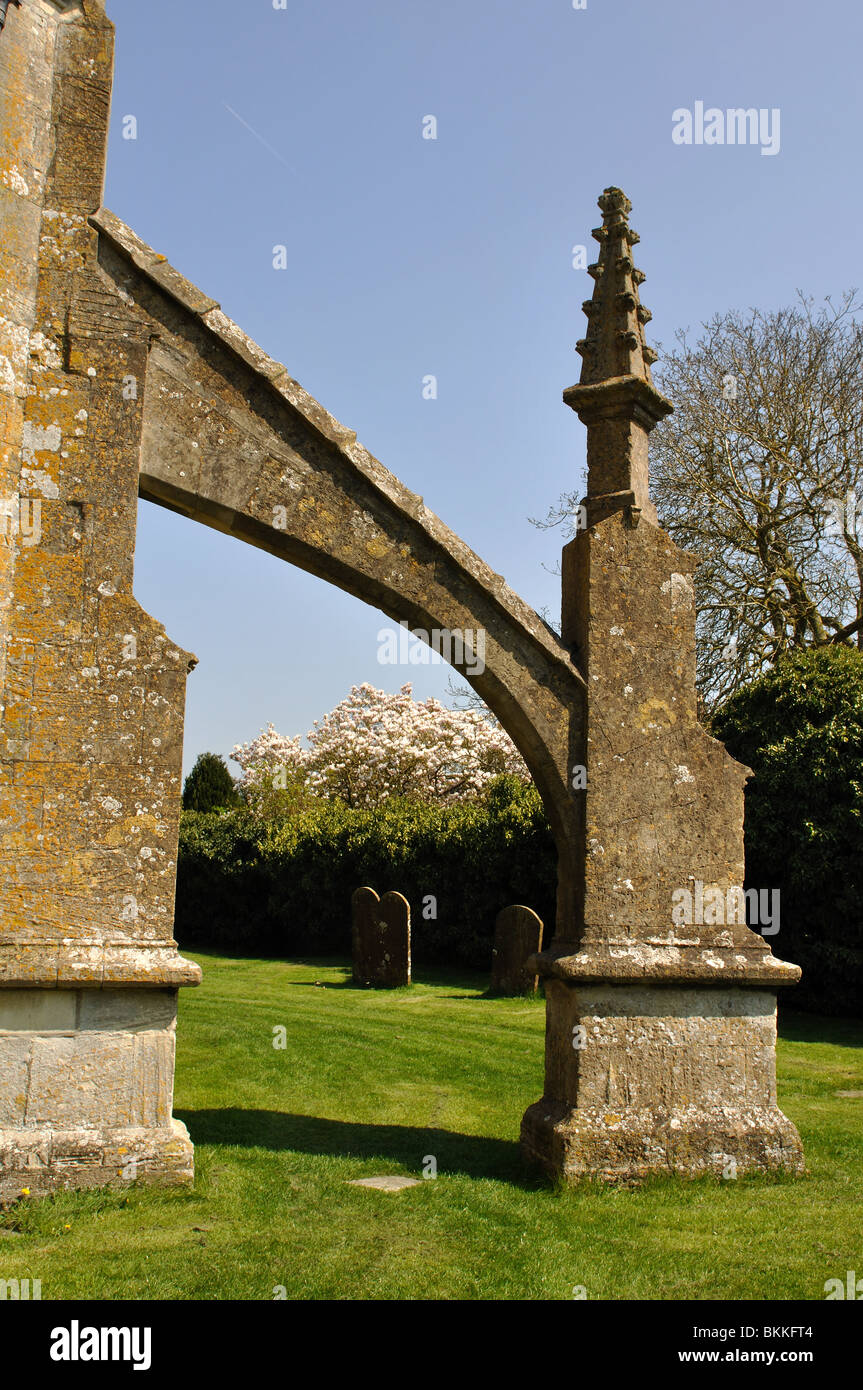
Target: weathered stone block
{"type": "Point", "coordinates": [38, 1011]}
{"type": "Point", "coordinates": [14, 1070]}
{"type": "Point", "coordinates": [127, 1010]}
{"type": "Point", "coordinates": [642, 1079]}
{"type": "Point", "coordinates": [46, 1160]}
{"type": "Point", "coordinates": [93, 1058]}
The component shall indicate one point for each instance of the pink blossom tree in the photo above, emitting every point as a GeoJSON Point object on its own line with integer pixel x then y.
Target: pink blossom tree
{"type": "Point", "coordinates": [374, 746]}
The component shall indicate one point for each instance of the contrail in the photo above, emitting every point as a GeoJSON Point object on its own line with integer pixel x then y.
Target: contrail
{"type": "Point", "coordinates": [251, 129]}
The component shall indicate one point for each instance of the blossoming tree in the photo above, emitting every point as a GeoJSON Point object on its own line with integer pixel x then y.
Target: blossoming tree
{"type": "Point", "coordinates": [374, 746]}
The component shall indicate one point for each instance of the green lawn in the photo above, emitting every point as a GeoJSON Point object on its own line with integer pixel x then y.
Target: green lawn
{"type": "Point", "coordinates": [373, 1082]}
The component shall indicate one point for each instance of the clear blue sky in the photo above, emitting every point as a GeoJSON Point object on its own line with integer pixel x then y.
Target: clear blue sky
{"type": "Point", "coordinates": [452, 257]}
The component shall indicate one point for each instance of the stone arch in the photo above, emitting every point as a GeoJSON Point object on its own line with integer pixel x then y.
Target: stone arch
{"type": "Point", "coordinates": [230, 440]}
{"type": "Point", "coordinates": [119, 378]}
{"type": "Point", "coordinates": [114, 371]}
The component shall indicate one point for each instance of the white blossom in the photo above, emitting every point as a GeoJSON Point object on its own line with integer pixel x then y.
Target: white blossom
{"type": "Point", "coordinates": [374, 746]}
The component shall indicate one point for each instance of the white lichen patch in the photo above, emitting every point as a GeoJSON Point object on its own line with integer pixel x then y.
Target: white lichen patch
{"type": "Point", "coordinates": [681, 590]}
{"type": "Point", "coordinates": [37, 480]}
{"type": "Point", "coordinates": [14, 340]}
{"type": "Point", "coordinates": [8, 380]}
{"type": "Point", "coordinates": [39, 439]}
{"type": "Point", "coordinates": [44, 352]}
{"type": "Point", "coordinates": [672, 938]}
{"type": "Point", "coordinates": [682, 774]}
{"type": "Point", "coordinates": [15, 181]}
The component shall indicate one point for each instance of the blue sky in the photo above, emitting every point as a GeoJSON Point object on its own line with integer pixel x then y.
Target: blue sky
{"type": "Point", "coordinates": [452, 257]}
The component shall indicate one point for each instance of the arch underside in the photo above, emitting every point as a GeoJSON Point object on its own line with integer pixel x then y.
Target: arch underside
{"type": "Point", "coordinates": [232, 441]}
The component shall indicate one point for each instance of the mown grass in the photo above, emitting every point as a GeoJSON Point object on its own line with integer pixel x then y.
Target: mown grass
{"type": "Point", "coordinates": [372, 1082]}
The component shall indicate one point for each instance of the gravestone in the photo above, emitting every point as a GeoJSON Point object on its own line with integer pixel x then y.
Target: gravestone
{"type": "Point", "coordinates": [517, 937]}
{"type": "Point", "coordinates": [381, 931]}
{"type": "Point", "coordinates": [364, 909]}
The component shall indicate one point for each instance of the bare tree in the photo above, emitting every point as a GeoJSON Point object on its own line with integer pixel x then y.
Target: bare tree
{"type": "Point", "coordinates": [759, 472]}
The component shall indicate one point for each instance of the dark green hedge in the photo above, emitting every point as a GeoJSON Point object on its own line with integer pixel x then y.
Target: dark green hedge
{"type": "Point", "coordinates": [285, 888]}
{"type": "Point", "coordinates": [800, 729]}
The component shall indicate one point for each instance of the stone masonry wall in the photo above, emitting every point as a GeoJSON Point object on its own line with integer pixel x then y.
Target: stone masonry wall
{"type": "Point", "coordinates": [91, 734]}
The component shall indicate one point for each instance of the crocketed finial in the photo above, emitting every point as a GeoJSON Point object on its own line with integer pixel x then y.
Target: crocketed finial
{"type": "Point", "coordinates": [615, 396]}
{"type": "Point", "coordinates": [614, 345]}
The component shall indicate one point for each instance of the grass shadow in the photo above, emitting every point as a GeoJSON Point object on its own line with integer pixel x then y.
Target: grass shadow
{"type": "Point", "coordinates": [820, 1028]}
{"type": "Point", "coordinates": [470, 1155]}
{"type": "Point", "coordinates": [328, 984]}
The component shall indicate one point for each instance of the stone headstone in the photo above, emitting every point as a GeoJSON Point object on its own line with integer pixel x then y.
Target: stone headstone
{"type": "Point", "coordinates": [517, 936]}
{"type": "Point", "coordinates": [364, 908]}
{"type": "Point", "coordinates": [381, 939]}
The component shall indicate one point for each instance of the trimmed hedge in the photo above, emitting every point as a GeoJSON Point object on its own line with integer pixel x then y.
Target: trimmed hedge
{"type": "Point", "coordinates": [800, 729]}
{"type": "Point", "coordinates": [284, 888]}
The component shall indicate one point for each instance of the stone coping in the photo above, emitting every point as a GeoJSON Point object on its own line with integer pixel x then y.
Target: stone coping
{"type": "Point", "coordinates": [66, 965]}
{"type": "Point", "coordinates": [616, 393]}
{"type": "Point", "coordinates": [611, 963]}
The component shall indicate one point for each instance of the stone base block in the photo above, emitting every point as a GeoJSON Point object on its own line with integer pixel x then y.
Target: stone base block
{"type": "Point", "coordinates": [641, 1079]}
{"type": "Point", "coordinates": [575, 1144]}
{"type": "Point", "coordinates": [39, 1161]}
{"type": "Point", "coordinates": [86, 1089]}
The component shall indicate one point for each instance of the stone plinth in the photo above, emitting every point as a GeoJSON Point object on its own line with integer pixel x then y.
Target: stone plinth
{"type": "Point", "coordinates": [660, 1044]}
{"type": "Point", "coordinates": [86, 1084]}
{"type": "Point", "coordinates": [641, 1079]}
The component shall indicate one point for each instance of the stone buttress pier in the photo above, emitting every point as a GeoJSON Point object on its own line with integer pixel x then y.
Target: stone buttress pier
{"type": "Point", "coordinates": [120, 379]}
{"type": "Point", "coordinates": [92, 689]}
{"type": "Point", "coordinates": [660, 1046]}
